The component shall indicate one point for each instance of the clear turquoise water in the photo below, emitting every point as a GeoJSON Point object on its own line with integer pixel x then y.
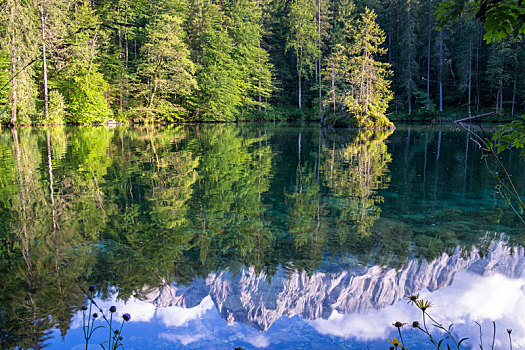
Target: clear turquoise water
{"type": "Point", "coordinates": [255, 235]}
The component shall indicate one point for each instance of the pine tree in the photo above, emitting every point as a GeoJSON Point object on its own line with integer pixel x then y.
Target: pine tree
{"type": "Point", "coordinates": [370, 92]}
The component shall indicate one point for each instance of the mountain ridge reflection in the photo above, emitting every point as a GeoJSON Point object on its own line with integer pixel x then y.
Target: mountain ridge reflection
{"type": "Point", "coordinates": [258, 300]}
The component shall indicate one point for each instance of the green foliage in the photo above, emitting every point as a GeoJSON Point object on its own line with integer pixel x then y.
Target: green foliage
{"type": "Point", "coordinates": [303, 34]}
{"type": "Point", "coordinates": [366, 90]}
{"type": "Point", "coordinates": [167, 69]}
{"type": "Point", "coordinates": [57, 107]}
{"type": "Point", "coordinates": [501, 18]}
{"type": "Point", "coordinates": [179, 60]}
{"type": "Point", "coordinates": [84, 91]}
{"type": "Point", "coordinates": [84, 86]}
{"type": "Point", "coordinates": [511, 135]}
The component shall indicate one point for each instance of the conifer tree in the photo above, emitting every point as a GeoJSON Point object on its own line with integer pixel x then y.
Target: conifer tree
{"type": "Point", "coordinates": [369, 94]}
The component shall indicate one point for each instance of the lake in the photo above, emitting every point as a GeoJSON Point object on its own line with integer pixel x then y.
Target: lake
{"type": "Point", "coordinates": [271, 236]}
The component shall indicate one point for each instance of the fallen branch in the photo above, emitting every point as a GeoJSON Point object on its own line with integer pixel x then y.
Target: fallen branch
{"type": "Point", "coordinates": [475, 116]}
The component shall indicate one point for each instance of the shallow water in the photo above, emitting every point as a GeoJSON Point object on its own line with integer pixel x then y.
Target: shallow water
{"type": "Point", "coordinates": [255, 235]}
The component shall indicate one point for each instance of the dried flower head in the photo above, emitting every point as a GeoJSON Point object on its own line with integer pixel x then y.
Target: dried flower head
{"type": "Point", "coordinates": [413, 298]}
{"type": "Point", "coordinates": [509, 330]}
{"type": "Point", "coordinates": [91, 288]}
{"type": "Point", "coordinates": [397, 324]}
{"type": "Point", "coordinates": [112, 309]}
{"type": "Point", "coordinates": [126, 317]}
{"type": "Point", "coordinates": [84, 308]}
{"type": "Point", "coordinates": [415, 324]}
{"type": "Point", "coordinates": [116, 331]}
{"type": "Point", "coordinates": [95, 315]}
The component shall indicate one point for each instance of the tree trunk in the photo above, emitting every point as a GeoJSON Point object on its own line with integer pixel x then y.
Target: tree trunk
{"type": "Point", "coordinates": [319, 52]}
{"type": "Point", "coordinates": [441, 70]}
{"type": "Point", "coordinates": [409, 49]}
{"type": "Point", "coordinates": [44, 62]}
{"type": "Point", "coordinates": [14, 96]}
{"type": "Point", "coordinates": [333, 85]}
{"type": "Point", "coordinates": [469, 74]}
{"type": "Point", "coordinates": [390, 32]}
{"type": "Point", "coordinates": [514, 88]}
{"type": "Point", "coordinates": [299, 76]}
{"type": "Point", "coordinates": [477, 70]}
{"type": "Point", "coordinates": [428, 51]}
{"type": "Point", "coordinates": [259, 62]}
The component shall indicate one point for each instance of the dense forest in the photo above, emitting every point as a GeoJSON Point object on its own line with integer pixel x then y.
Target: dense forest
{"type": "Point", "coordinates": [90, 61]}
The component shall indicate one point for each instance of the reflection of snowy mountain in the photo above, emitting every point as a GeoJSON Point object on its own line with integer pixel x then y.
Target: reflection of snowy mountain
{"type": "Point", "coordinates": [253, 298]}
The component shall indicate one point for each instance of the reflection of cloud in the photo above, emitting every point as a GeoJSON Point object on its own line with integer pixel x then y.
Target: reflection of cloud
{"type": "Point", "coordinates": [259, 341]}
{"type": "Point", "coordinates": [176, 316]}
{"type": "Point", "coordinates": [470, 298]}
{"type": "Point", "coordinates": [184, 339]}
{"type": "Point", "coordinates": [376, 324]}
{"type": "Point", "coordinates": [140, 311]}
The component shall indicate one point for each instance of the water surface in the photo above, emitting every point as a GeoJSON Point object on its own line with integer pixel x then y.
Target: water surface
{"type": "Point", "coordinates": [254, 235]}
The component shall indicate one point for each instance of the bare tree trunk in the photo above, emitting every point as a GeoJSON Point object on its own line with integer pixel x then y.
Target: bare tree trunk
{"type": "Point", "coordinates": [259, 61]}
{"type": "Point", "coordinates": [14, 96]}
{"type": "Point", "coordinates": [428, 51]}
{"type": "Point", "coordinates": [441, 70]}
{"type": "Point", "coordinates": [299, 76]}
{"type": "Point", "coordinates": [333, 85]}
{"type": "Point", "coordinates": [390, 32]}
{"type": "Point", "coordinates": [477, 70]}
{"type": "Point", "coordinates": [500, 93]}
{"type": "Point", "coordinates": [514, 88]}
{"type": "Point", "coordinates": [469, 74]}
{"type": "Point", "coordinates": [44, 62]}
{"type": "Point", "coordinates": [319, 52]}
{"type": "Point", "coordinates": [409, 82]}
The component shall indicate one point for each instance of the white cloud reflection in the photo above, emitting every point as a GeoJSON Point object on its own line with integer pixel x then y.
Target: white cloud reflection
{"type": "Point", "coordinates": [184, 339]}
{"type": "Point", "coordinates": [470, 298]}
{"type": "Point", "coordinates": [176, 316]}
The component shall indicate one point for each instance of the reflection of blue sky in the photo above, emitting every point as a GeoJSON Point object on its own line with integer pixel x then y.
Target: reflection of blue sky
{"type": "Point", "coordinates": [470, 298]}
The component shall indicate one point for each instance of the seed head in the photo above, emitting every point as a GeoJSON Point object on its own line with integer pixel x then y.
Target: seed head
{"type": "Point", "coordinates": [112, 309]}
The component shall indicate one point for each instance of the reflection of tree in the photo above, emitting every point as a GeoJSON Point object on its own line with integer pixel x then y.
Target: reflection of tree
{"type": "Point", "coordinates": [354, 174]}
{"type": "Point", "coordinates": [228, 211]}
{"type": "Point", "coordinates": [128, 208]}
{"type": "Point", "coordinates": [33, 255]}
